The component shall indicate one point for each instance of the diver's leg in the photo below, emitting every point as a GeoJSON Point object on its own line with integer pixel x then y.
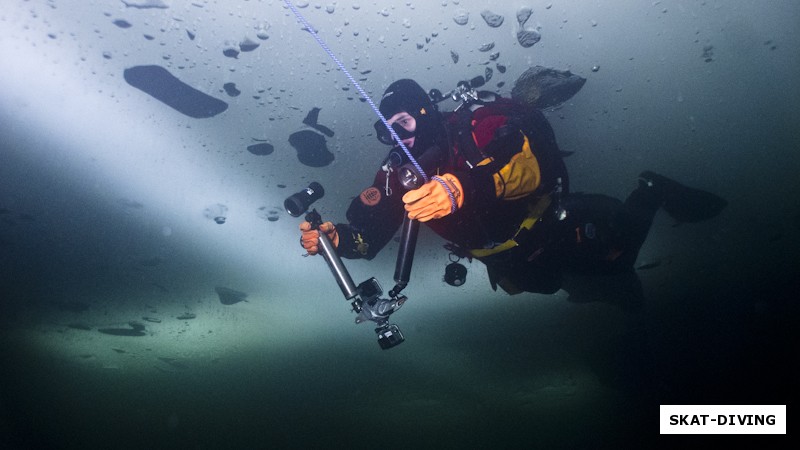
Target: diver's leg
{"type": "Point", "coordinates": [683, 203]}
{"type": "Point", "coordinates": [600, 243]}
{"type": "Point", "coordinates": [515, 273]}
{"type": "Point", "coordinates": [639, 210]}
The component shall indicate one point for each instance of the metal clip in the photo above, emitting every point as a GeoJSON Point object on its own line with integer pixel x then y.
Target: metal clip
{"type": "Point", "coordinates": [388, 171]}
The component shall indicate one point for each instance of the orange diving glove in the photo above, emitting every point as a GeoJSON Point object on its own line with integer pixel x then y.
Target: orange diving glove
{"type": "Point", "coordinates": [440, 196]}
{"type": "Point", "coordinates": [310, 238]}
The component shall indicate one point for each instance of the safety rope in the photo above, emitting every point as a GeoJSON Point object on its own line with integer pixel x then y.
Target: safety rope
{"type": "Point", "coordinates": [453, 203]}
{"type": "Point", "coordinates": [358, 87]}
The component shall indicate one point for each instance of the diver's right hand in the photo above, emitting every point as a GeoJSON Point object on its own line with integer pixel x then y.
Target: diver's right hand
{"type": "Point", "coordinates": [310, 238]}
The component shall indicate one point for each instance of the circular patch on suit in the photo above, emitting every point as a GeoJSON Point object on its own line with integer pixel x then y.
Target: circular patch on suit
{"type": "Point", "coordinates": [370, 196]}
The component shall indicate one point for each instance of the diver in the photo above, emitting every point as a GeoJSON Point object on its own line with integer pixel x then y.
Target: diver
{"type": "Point", "coordinates": [498, 191]}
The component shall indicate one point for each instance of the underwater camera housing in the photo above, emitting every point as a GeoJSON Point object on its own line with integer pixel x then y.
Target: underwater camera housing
{"type": "Point", "coordinates": [377, 309]}
{"type": "Point", "coordinates": [366, 297]}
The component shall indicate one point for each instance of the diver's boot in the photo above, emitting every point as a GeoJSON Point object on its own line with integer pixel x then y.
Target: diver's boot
{"type": "Point", "coordinates": [682, 203]}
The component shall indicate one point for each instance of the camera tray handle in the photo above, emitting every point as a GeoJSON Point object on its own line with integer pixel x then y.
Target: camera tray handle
{"type": "Point", "coordinates": [328, 251]}
{"type": "Point", "coordinates": [405, 255]}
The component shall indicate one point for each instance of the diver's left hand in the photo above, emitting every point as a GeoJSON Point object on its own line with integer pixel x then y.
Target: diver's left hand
{"type": "Point", "coordinates": [440, 196]}
{"type": "Point", "coordinates": [309, 237]}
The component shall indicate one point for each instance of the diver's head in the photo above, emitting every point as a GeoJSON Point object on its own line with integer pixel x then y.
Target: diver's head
{"type": "Point", "coordinates": [403, 124]}
{"type": "Point", "coordinates": [412, 114]}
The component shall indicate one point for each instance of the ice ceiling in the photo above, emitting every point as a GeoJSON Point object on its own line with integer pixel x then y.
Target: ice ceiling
{"type": "Point", "coordinates": [91, 142]}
